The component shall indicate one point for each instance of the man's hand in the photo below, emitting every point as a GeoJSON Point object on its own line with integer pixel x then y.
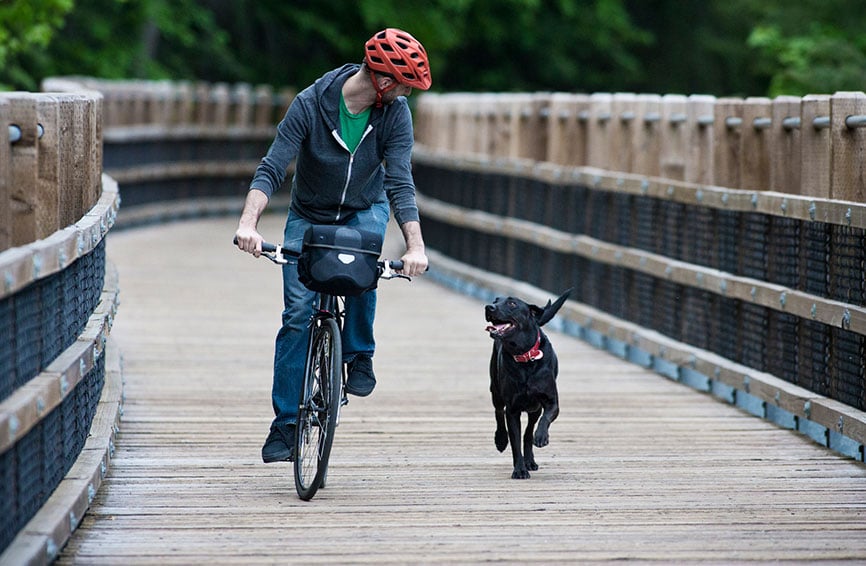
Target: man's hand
{"type": "Point", "coordinates": [414, 263]}
{"type": "Point", "coordinates": [415, 258]}
{"type": "Point", "coordinates": [248, 238]}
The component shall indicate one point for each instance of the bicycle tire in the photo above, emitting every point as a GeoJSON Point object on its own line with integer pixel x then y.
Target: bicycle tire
{"type": "Point", "coordinates": [318, 408]}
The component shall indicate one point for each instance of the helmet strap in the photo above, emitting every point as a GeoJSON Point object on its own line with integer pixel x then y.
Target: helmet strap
{"type": "Point", "coordinates": [380, 91]}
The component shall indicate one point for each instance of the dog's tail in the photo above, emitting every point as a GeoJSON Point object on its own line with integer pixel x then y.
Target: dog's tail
{"type": "Point", "coordinates": [551, 309]}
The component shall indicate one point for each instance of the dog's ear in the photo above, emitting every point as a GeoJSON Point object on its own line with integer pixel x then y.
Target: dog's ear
{"type": "Point", "coordinates": [550, 310]}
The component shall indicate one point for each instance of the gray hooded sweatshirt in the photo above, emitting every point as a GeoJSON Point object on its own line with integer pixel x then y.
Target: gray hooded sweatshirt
{"type": "Point", "coordinates": [330, 182]}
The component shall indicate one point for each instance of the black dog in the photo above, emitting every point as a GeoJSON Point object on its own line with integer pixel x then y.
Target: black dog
{"type": "Point", "coordinates": [523, 371]}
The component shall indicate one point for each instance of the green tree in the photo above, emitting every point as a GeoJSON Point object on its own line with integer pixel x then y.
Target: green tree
{"type": "Point", "coordinates": [721, 47]}
{"type": "Point", "coordinates": [148, 39]}
{"type": "Point", "coordinates": [564, 45]}
{"type": "Point", "coordinates": [813, 46]}
{"type": "Point", "coordinates": [24, 26]}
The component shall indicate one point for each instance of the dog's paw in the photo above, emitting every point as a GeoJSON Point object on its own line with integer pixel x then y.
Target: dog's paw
{"type": "Point", "coordinates": [531, 465]}
{"type": "Point", "coordinates": [520, 474]}
{"type": "Point", "coordinates": [501, 439]}
{"type": "Point", "coordinates": [541, 439]}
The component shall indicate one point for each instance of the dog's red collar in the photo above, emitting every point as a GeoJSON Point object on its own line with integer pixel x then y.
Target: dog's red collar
{"type": "Point", "coordinates": [533, 354]}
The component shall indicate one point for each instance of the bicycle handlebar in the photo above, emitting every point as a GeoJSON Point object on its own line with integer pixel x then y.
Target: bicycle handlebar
{"type": "Point", "coordinates": [276, 252]}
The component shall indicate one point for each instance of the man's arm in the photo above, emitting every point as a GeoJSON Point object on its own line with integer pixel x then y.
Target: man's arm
{"type": "Point", "coordinates": [249, 239]}
{"type": "Point", "coordinates": [415, 258]}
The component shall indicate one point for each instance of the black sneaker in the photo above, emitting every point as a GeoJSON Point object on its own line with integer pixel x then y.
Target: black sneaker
{"type": "Point", "coordinates": [361, 380]}
{"type": "Point", "coordinates": [280, 445]}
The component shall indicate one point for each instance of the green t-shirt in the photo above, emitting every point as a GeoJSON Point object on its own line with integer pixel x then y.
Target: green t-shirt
{"type": "Point", "coordinates": [352, 126]}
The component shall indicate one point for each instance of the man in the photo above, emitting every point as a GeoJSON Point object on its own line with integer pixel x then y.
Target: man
{"type": "Point", "coordinates": [350, 136]}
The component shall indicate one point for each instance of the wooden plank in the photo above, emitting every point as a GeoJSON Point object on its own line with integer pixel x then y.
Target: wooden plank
{"type": "Point", "coordinates": [639, 467]}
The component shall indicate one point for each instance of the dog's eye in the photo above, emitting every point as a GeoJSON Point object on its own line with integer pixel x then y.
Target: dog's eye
{"type": "Point", "coordinates": [512, 304]}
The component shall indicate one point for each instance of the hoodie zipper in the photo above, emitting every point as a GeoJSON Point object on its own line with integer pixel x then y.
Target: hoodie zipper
{"type": "Point", "coordinates": [349, 171]}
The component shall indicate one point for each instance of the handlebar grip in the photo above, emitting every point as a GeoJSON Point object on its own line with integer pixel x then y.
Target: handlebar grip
{"type": "Point", "coordinates": [395, 264]}
{"type": "Point", "coordinates": [266, 247]}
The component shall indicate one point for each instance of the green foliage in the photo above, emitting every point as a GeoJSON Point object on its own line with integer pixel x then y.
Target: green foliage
{"type": "Point", "coordinates": [721, 47]}
{"type": "Point", "coordinates": [26, 25]}
{"type": "Point", "coordinates": [816, 59]}
{"type": "Point", "coordinates": [149, 39]}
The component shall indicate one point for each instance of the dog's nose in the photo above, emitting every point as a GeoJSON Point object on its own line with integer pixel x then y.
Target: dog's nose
{"type": "Point", "coordinates": [489, 309]}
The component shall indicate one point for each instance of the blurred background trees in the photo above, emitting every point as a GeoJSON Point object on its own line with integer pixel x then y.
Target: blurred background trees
{"type": "Point", "coordinates": [720, 47]}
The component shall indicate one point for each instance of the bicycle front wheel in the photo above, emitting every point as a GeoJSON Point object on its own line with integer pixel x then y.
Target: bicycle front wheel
{"type": "Point", "coordinates": [319, 408]}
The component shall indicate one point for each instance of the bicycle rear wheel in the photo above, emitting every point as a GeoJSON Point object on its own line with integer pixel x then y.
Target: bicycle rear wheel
{"type": "Point", "coordinates": [319, 408]}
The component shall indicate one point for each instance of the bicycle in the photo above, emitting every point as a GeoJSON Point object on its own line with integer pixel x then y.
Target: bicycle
{"type": "Point", "coordinates": [323, 390]}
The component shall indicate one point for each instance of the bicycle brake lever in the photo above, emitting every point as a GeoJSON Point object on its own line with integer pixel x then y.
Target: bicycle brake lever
{"type": "Point", "coordinates": [388, 273]}
{"type": "Point", "coordinates": [277, 256]}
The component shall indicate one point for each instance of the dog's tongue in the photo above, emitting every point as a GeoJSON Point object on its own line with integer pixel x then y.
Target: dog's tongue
{"type": "Point", "coordinates": [498, 328]}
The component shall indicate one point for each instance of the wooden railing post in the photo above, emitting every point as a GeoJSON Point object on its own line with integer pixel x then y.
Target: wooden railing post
{"type": "Point", "coordinates": [848, 166]}
{"type": "Point", "coordinates": [220, 100]}
{"type": "Point", "coordinates": [242, 98]}
{"type": "Point", "coordinates": [559, 124]}
{"type": "Point", "coordinates": [482, 123]}
{"type": "Point", "coordinates": [785, 146]}
{"type": "Point", "coordinates": [533, 126]}
{"type": "Point", "coordinates": [5, 176]}
{"type": "Point", "coordinates": [51, 214]}
{"type": "Point", "coordinates": [814, 147]}
{"type": "Point", "coordinates": [674, 137]}
{"type": "Point", "coordinates": [24, 169]}
{"type": "Point", "coordinates": [599, 130]}
{"type": "Point", "coordinates": [727, 144]}
{"type": "Point", "coordinates": [699, 150]}
{"type": "Point", "coordinates": [504, 125]}
{"type": "Point", "coordinates": [264, 101]}
{"type": "Point", "coordinates": [466, 135]}
{"type": "Point", "coordinates": [647, 141]}
{"type": "Point", "coordinates": [184, 104]}
{"type": "Point", "coordinates": [623, 127]}
{"type": "Point", "coordinates": [755, 156]}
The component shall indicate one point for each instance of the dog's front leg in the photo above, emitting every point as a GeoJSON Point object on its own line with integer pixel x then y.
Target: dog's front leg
{"type": "Point", "coordinates": [520, 472]}
{"type": "Point", "coordinates": [501, 435]}
{"type": "Point", "coordinates": [528, 453]}
{"type": "Point", "coordinates": [542, 435]}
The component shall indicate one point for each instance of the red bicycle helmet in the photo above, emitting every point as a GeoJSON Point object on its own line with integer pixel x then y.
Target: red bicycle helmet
{"type": "Point", "coordinates": [397, 53]}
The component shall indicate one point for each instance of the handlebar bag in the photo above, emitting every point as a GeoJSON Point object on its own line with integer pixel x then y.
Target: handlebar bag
{"type": "Point", "coordinates": [339, 260]}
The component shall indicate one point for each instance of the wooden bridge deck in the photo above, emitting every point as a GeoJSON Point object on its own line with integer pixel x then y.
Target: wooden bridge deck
{"type": "Point", "coordinates": [638, 468]}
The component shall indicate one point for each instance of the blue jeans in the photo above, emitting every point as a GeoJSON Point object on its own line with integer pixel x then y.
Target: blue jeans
{"type": "Point", "coordinates": [290, 351]}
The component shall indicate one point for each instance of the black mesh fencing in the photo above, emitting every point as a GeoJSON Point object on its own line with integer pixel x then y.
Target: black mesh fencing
{"type": "Point", "coordinates": [35, 465]}
{"type": "Point", "coordinates": [821, 259]}
{"type": "Point", "coordinates": [38, 323]}
{"type": "Point", "coordinates": [43, 319]}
